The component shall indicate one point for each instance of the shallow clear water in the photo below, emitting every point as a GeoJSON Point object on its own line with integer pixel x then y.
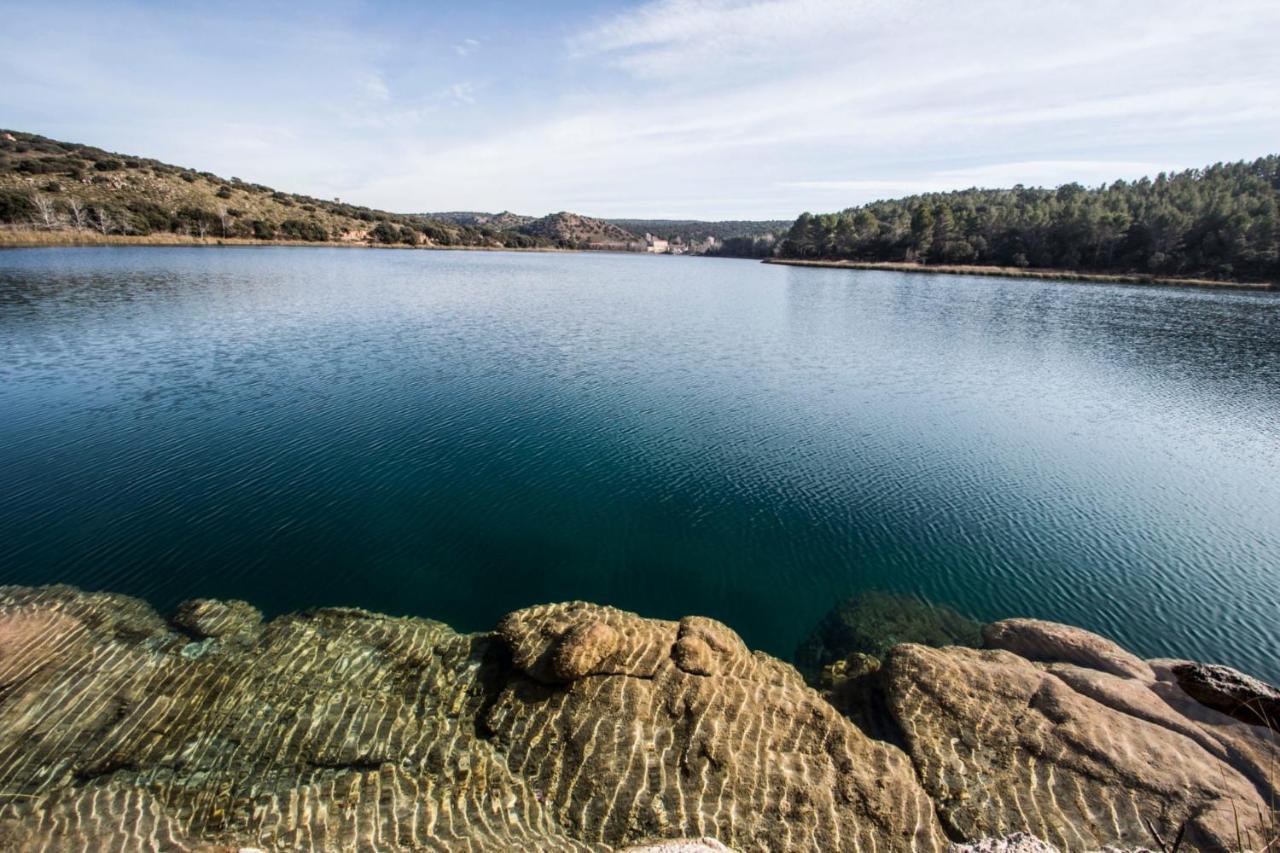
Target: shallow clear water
{"type": "Point", "coordinates": [457, 435]}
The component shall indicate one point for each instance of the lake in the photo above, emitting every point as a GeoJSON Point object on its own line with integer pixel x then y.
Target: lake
{"type": "Point", "coordinates": [459, 434]}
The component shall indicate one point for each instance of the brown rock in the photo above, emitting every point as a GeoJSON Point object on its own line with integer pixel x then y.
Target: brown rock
{"type": "Point", "coordinates": [582, 649]}
{"type": "Point", "coordinates": [206, 617]}
{"type": "Point", "coordinates": [1231, 692]}
{"type": "Point", "coordinates": [1018, 842]}
{"type": "Point", "coordinates": [342, 729]}
{"type": "Point", "coordinates": [1002, 745]}
{"type": "Point", "coordinates": [1035, 639]}
{"type": "Point", "coordinates": [699, 736]}
{"type": "Point", "coordinates": [873, 622]}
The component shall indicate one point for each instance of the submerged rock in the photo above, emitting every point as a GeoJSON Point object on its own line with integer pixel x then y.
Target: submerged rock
{"type": "Point", "coordinates": [576, 727]}
{"type": "Point", "coordinates": [871, 623]}
{"type": "Point", "coordinates": [1080, 746]}
{"type": "Point", "coordinates": [683, 729]}
{"type": "Point", "coordinates": [206, 618]}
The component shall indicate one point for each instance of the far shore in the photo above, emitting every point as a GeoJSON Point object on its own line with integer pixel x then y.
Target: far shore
{"type": "Point", "coordinates": [1020, 272]}
{"type": "Point", "coordinates": [30, 238]}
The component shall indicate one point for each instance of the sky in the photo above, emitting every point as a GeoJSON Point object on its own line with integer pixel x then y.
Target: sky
{"type": "Point", "coordinates": [709, 109]}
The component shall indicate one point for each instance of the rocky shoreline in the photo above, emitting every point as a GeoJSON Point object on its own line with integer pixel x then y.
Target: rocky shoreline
{"type": "Point", "coordinates": [579, 727]}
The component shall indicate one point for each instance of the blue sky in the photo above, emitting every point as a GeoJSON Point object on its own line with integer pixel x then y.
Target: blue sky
{"type": "Point", "coordinates": [663, 108]}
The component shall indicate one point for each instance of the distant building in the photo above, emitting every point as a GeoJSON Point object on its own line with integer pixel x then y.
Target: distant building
{"type": "Point", "coordinates": [656, 245]}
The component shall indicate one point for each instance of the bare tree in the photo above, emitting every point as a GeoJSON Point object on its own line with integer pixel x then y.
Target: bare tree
{"type": "Point", "coordinates": [202, 226]}
{"type": "Point", "coordinates": [224, 217]}
{"type": "Point", "coordinates": [103, 220]}
{"type": "Point", "coordinates": [79, 213]}
{"type": "Point", "coordinates": [46, 214]}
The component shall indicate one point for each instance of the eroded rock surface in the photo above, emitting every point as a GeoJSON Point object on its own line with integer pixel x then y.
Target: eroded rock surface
{"type": "Point", "coordinates": [1231, 692]}
{"type": "Point", "coordinates": [1035, 639]}
{"type": "Point", "coordinates": [579, 727]}
{"type": "Point", "coordinates": [574, 728]}
{"type": "Point", "coordinates": [681, 727]}
{"type": "Point", "coordinates": [1082, 746]}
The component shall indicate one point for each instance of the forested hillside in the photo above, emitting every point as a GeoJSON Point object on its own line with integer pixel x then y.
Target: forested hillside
{"type": "Point", "coordinates": [59, 189]}
{"type": "Point", "coordinates": [1222, 221]}
{"type": "Point", "coordinates": [693, 230]}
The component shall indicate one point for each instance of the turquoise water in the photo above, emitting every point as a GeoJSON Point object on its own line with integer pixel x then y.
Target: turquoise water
{"type": "Point", "coordinates": [456, 435]}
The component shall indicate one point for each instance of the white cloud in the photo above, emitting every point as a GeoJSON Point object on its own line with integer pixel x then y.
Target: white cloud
{"type": "Point", "coordinates": [718, 108]}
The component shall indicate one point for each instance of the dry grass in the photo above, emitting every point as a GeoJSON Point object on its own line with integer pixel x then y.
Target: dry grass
{"type": "Point", "coordinates": [1019, 272]}
{"type": "Point", "coordinates": [19, 236]}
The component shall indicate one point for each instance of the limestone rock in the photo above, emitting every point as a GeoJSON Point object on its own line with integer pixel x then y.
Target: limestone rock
{"type": "Point", "coordinates": [575, 728]}
{"type": "Point", "coordinates": [1036, 639]}
{"type": "Point", "coordinates": [683, 731]}
{"type": "Point", "coordinates": [1231, 692]}
{"type": "Point", "coordinates": [1002, 744]}
{"type": "Point", "coordinates": [578, 727]}
{"type": "Point", "coordinates": [681, 845]}
{"type": "Point", "coordinates": [1018, 842]}
{"type": "Point", "coordinates": [873, 622]}
{"type": "Point", "coordinates": [205, 617]}
{"type": "Point", "coordinates": [329, 730]}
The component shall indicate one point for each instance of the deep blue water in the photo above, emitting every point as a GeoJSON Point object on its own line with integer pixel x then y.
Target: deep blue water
{"type": "Point", "coordinates": [457, 435]}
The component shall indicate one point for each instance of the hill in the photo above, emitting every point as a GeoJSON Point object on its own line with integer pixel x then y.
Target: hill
{"type": "Point", "coordinates": [742, 238]}
{"type": "Point", "coordinates": [61, 189]}
{"type": "Point", "coordinates": [1220, 222]}
{"type": "Point", "coordinates": [503, 221]}
{"type": "Point", "coordinates": [697, 230]}
{"type": "Point", "coordinates": [571, 229]}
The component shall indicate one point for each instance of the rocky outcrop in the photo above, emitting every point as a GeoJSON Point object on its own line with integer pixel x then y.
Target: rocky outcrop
{"type": "Point", "coordinates": [579, 727]}
{"type": "Point", "coordinates": [1035, 639]}
{"type": "Point", "coordinates": [1231, 692]}
{"type": "Point", "coordinates": [573, 727]}
{"type": "Point", "coordinates": [637, 727]}
{"type": "Point", "coordinates": [574, 229]}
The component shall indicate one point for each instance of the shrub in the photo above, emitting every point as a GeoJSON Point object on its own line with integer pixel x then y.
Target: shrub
{"type": "Point", "coordinates": [52, 187]}
{"type": "Point", "coordinates": [263, 230]}
{"type": "Point", "coordinates": [147, 216]}
{"type": "Point", "coordinates": [15, 206]}
{"type": "Point", "coordinates": [108, 165]}
{"type": "Point", "coordinates": [385, 232]}
{"type": "Point", "coordinates": [224, 191]}
{"type": "Point", "coordinates": [301, 229]}
{"type": "Point", "coordinates": [189, 177]}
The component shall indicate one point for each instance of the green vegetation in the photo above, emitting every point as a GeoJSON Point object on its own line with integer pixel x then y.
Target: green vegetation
{"type": "Point", "coordinates": [54, 192]}
{"type": "Point", "coordinates": [1219, 222]}
{"type": "Point", "coordinates": [695, 230]}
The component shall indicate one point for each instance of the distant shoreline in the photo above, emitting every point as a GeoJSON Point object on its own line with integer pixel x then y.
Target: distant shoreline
{"type": "Point", "coordinates": [32, 239]}
{"type": "Point", "coordinates": [1020, 272]}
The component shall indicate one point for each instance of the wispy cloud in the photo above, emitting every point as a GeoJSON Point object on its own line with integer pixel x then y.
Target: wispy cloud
{"type": "Point", "coordinates": [709, 107]}
{"type": "Point", "coordinates": [460, 93]}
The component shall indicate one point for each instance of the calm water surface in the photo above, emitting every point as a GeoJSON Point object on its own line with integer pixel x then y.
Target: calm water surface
{"type": "Point", "coordinates": [460, 434]}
